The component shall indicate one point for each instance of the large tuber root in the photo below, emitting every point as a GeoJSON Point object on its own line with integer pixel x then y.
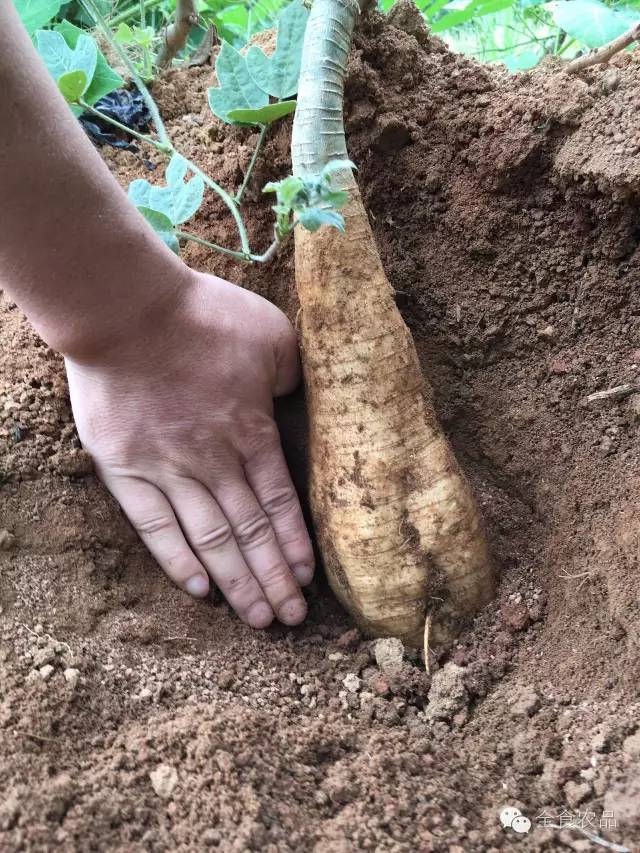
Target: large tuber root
{"type": "Point", "coordinates": [399, 532]}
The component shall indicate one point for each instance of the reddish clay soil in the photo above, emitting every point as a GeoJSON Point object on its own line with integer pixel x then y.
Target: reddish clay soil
{"type": "Point", "coordinates": [132, 718]}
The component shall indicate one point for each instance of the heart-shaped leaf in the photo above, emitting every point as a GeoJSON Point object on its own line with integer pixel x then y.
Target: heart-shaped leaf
{"type": "Point", "coordinates": [237, 90]}
{"type": "Point", "coordinates": [105, 79]}
{"type": "Point", "coordinates": [178, 201]}
{"type": "Point", "coordinates": [278, 74]}
{"type": "Point", "coordinates": [61, 59]}
{"type": "Point", "coordinates": [72, 85]}
{"type": "Point", "coordinates": [263, 115]}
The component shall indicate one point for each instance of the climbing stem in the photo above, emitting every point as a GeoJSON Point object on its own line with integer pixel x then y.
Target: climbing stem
{"type": "Point", "coordinates": [249, 172]}
{"type": "Point", "coordinates": [186, 235]}
{"type": "Point", "coordinates": [240, 256]}
{"type": "Point", "coordinates": [132, 11]}
{"type": "Point", "coordinates": [224, 195]}
{"type": "Point", "coordinates": [143, 137]}
{"type": "Point", "coordinates": [92, 9]}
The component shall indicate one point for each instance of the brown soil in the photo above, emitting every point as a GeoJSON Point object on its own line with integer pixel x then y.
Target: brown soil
{"type": "Point", "coordinates": [133, 718]}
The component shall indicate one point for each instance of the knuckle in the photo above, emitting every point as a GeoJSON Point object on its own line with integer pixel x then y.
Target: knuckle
{"type": "Point", "coordinates": [213, 538]}
{"type": "Point", "coordinates": [274, 576]}
{"type": "Point", "coordinates": [254, 532]}
{"type": "Point", "coordinates": [180, 566]}
{"type": "Point", "coordinates": [280, 502]}
{"type": "Point", "coordinates": [154, 524]}
{"type": "Point", "coordinates": [236, 586]}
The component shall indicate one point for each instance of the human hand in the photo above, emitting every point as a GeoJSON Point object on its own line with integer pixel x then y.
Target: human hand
{"type": "Point", "coordinates": [179, 422]}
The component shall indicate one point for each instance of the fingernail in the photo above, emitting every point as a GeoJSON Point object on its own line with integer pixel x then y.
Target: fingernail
{"type": "Point", "coordinates": [260, 615]}
{"type": "Point", "coordinates": [198, 585]}
{"type": "Point", "coordinates": [303, 574]}
{"type": "Point", "coordinates": [293, 611]}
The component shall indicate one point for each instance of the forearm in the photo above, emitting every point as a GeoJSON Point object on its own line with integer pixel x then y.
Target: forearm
{"type": "Point", "coordinates": [70, 243]}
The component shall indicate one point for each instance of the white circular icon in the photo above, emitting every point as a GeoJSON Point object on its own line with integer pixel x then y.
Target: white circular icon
{"type": "Point", "coordinates": [520, 823]}
{"type": "Point", "coordinates": [512, 818]}
{"type": "Point", "coordinates": [508, 814]}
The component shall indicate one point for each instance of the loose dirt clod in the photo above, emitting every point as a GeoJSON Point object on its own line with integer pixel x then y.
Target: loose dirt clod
{"type": "Point", "coordinates": [163, 780]}
{"type": "Point", "coordinates": [448, 694]}
{"type": "Point", "coordinates": [388, 652]}
{"type": "Point", "coordinates": [7, 540]}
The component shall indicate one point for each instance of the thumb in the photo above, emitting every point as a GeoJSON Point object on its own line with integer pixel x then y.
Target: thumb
{"type": "Point", "coordinates": [287, 358]}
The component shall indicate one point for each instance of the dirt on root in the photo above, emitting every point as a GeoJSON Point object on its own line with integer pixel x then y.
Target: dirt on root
{"type": "Point", "coordinates": [132, 718]}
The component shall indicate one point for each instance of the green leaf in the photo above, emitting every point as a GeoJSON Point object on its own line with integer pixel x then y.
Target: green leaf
{"type": "Point", "coordinates": [237, 91]}
{"type": "Point", "coordinates": [105, 79]}
{"type": "Point", "coordinates": [522, 61]}
{"type": "Point", "coordinates": [60, 58]}
{"type": "Point", "coordinates": [278, 75]}
{"type": "Point", "coordinates": [263, 115]}
{"type": "Point", "coordinates": [163, 227]}
{"type": "Point", "coordinates": [124, 34]}
{"type": "Point", "coordinates": [34, 14]}
{"type": "Point", "coordinates": [72, 85]}
{"type": "Point", "coordinates": [313, 218]}
{"type": "Point", "coordinates": [79, 14]}
{"type": "Point", "coordinates": [139, 192]}
{"type": "Point", "coordinates": [176, 170]}
{"type": "Point", "coordinates": [590, 21]}
{"type": "Point", "coordinates": [287, 190]}
{"type": "Point", "coordinates": [143, 37]}
{"type": "Point", "coordinates": [178, 201]}
{"type": "Point", "coordinates": [336, 166]}
{"type": "Point", "coordinates": [474, 9]}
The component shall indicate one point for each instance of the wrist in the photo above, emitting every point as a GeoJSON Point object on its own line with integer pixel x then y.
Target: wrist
{"type": "Point", "coordinates": [134, 297]}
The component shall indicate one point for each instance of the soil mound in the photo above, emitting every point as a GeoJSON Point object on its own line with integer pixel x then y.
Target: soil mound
{"type": "Point", "coordinates": [132, 718]}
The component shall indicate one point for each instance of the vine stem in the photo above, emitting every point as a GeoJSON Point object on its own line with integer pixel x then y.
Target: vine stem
{"type": "Point", "coordinates": [249, 172]}
{"type": "Point", "coordinates": [90, 7]}
{"type": "Point", "coordinates": [125, 15]}
{"type": "Point", "coordinates": [143, 137]}
{"type": "Point", "coordinates": [240, 256]}
{"type": "Point", "coordinates": [224, 195]}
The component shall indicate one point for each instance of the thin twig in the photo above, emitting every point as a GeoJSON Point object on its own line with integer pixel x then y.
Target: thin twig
{"type": "Point", "coordinates": [35, 736]}
{"type": "Point", "coordinates": [617, 393]}
{"type": "Point", "coordinates": [179, 639]}
{"type": "Point", "coordinates": [604, 53]}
